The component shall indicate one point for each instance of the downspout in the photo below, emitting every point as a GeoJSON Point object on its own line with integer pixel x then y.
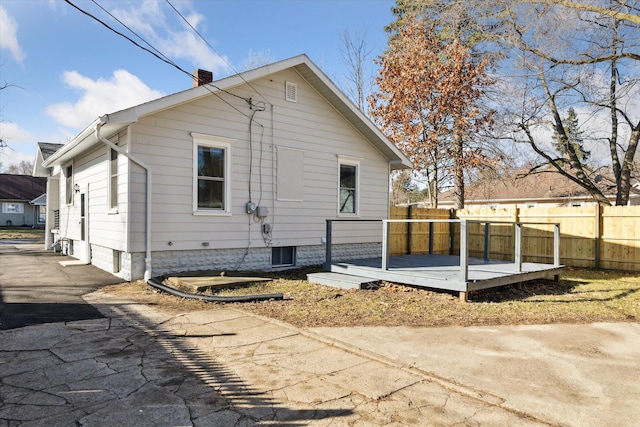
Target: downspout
{"type": "Point", "coordinates": [147, 259]}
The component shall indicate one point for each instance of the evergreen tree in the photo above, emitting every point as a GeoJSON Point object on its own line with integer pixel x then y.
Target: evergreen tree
{"type": "Point", "coordinates": [574, 137]}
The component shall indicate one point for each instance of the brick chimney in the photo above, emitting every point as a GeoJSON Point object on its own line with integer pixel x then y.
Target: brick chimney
{"type": "Point", "coordinates": [202, 77]}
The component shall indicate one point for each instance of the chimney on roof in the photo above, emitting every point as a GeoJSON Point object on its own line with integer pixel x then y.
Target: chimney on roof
{"type": "Point", "coordinates": [202, 77]}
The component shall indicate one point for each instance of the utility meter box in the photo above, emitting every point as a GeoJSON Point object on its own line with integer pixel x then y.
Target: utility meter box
{"type": "Point", "coordinates": [262, 212]}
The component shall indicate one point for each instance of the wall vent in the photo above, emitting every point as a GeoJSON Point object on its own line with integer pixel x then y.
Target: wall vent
{"type": "Point", "coordinates": [291, 92]}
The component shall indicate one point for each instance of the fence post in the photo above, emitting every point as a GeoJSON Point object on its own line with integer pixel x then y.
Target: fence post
{"type": "Point", "coordinates": [597, 235]}
{"type": "Point", "coordinates": [464, 251]}
{"type": "Point", "coordinates": [327, 249]}
{"type": "Point", "coordinates": [518, 247]}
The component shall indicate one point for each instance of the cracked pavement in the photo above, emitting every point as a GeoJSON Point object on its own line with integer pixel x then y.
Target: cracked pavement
{"type": "Point", "coordinates": [224, 367]}
{"type": "Point", "coordinates": [129, 364]}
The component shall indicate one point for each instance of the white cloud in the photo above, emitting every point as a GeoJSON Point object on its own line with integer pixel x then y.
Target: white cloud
{"type": "Point", "coordinates": [122, 90]}
{"type": "Point", "coordinates": [14, 136]}
{"type": "Point", "coordinates": [173, 38]}
{"type": "Point", "coordinates": [9, 35]}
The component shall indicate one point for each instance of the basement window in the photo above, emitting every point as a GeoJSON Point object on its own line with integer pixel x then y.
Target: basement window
{"type": "Point", "coordinates": [284, 256]}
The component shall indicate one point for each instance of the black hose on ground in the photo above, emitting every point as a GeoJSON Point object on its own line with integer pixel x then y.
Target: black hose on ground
{"type": "Point", "coordinates": [156, 283]}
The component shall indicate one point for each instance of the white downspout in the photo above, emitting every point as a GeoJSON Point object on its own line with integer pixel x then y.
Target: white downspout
{"type": "Point", "coordinates": [147, 259]}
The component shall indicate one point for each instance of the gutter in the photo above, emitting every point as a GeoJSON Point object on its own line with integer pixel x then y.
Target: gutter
{"type": "Point", "coordinates": [147, 260]}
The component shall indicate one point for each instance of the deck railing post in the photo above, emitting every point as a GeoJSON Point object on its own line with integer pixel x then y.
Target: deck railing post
{"type": "Point", "coordinates": [486, 241]}
{"type": "Point", "coordinates": [385, 245]}
{"type": "Point", "coordinates": [327, 256]}
{"type": "Point", "coordinates": [430, 237]}
{"type": "Point", "coordinates": [556, 245]}
{"type": "Point", "coordinates": [464, 251]}
{"type": "Point", "coordinates": [518, 247]}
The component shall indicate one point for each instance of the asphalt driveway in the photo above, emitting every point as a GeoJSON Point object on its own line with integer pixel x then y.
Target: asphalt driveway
{"type": "Point", "coordinates": [36, 289]}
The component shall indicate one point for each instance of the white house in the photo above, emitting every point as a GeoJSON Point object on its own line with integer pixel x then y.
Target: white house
{"type": "Point", "coordinates": [237, 174]}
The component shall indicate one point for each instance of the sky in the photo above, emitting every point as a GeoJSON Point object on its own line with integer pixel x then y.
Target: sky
{"type": "Point", "coordinates": [63, 69]}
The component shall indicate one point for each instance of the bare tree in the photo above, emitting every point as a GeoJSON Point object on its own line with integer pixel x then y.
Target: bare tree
{"type": "Point", "coordinates": [564, 51]}
{"type": "Point", "coordinates": [25, 167]}
{"type": "Point", "coordinates": [356, 55]}
{"type": "Point", "coordinates": [257, 59]}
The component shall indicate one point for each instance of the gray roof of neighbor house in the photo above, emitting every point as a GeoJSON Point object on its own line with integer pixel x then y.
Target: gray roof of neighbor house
{"type": "Point", "coordinates": [540, 186]}
{"type": "Point", "coordinates": [114, 122]}
{"type": "Point", "coordinates": [21, 187]}
{"type": "Point", "coordinates": [48, 148]}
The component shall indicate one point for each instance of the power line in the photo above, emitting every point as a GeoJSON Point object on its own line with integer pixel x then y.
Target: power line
{"type": "Point", "coordinates": [168, 61]}
{"type": "Point", "coordinates": [133, 32]}
{"type": "Point", "coordinates": [214, 49]}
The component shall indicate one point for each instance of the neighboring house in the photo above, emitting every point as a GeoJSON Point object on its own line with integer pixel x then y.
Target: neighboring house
{"type": "Point", "coordinates": [21, 200]}
{"type": "Point", "coordinates": [238, 174]}
{"type": "Point", "coordinates": [547, 189]}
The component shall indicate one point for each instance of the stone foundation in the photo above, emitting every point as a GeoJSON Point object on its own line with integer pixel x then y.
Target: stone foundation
{"type": "Point", "coordinates": [255, 259]}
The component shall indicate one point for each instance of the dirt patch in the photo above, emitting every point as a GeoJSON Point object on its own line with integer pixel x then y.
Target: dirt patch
{"type": "Point", "coordinates": [581, 296]}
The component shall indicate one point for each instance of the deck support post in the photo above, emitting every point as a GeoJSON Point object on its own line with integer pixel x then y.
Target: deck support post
{"type": "Point", "coordinates": [464, 251]}
{"type": "Point", "coordinates": [464, 297]}
{"type": "Point", "coordinates": [518, 247]}
{"type": "Point", "coordinates": [327, 256]}
{"type": "Point", "coordinates": [385, 245]}
{"type": "Point", "coordinates": [556, 245]}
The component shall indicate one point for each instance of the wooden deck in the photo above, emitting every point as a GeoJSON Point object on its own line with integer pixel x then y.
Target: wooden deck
{"type": "Point", "coordinates": [444, 271]}
{"type": "Point", "coordinates": [450, 272]}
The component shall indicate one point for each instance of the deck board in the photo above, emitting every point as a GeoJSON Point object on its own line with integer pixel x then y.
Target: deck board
{"type": "Point", "coordinates": [443, 271]}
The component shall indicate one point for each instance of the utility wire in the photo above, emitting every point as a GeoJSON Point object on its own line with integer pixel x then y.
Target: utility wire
{"type": "Point", "coordinates": [133, 32]}
{"type": "Point", "coordinates": [213, 49]}
{"type": "Point", "coordinates": [168, 61]}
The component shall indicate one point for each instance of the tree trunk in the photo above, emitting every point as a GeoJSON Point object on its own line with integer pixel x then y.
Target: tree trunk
{"type": "Point", "coordinates": [458, 190]}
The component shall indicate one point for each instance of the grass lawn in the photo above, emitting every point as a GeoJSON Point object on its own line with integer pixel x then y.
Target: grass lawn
{"type": "Point", "coordinates": [581, 296]}
{"type": "Point", "coordinates": [21, 233]}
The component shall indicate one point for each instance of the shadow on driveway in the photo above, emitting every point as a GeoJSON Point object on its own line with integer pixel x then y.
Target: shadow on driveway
{"type": "Point", "coordinates": [36, 289]}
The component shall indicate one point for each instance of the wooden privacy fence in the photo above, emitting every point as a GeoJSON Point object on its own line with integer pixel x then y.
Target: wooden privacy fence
{"type": "Point", "coordinates": [590, 236]}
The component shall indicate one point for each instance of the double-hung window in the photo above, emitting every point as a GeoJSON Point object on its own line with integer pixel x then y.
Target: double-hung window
{"type": "Point", "coordinates": [212, 174]}
{"type": "Point", "coordinates": [348, 191]}
{"type": "Point", "coordinates": [113, 179]}
{"type": "Point", "coordinates": [68, 177]}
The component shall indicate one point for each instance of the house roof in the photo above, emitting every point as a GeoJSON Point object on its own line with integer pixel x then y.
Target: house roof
{"type": "Point", "coordinates": [21, 187]}
{"type": "Point", "coordinates": [301, 64]}
{"type": "Point", "coordinates": [545, 186]}
{"type": "Point", "coordinates": [48, 148]}
{"type": "Point", "coordinates": [45, 150]}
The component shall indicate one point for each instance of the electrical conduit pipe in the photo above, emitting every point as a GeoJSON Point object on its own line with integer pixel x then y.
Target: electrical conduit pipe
{"type": "Point", "coordinates": [156, 283]}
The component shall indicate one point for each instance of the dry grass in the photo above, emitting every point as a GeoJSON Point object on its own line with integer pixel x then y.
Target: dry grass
{"type": "Point", "coordinates": [21, 233]}
{"type": "Point", "coordinates": [581, 296]}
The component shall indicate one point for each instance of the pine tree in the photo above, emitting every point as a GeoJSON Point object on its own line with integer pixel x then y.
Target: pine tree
{"type": "Point", "coordinates": [574, 137]}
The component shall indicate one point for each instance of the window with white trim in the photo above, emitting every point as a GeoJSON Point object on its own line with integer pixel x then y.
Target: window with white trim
{"type": "Point", "coordinates": [68, 176]}
{"type": "Point", "coordinates": [113, 179]}
{"type": "Point", "coordinates": [349, 182]}
{"type": "Point", "coordinates": [212, 174]}
{"type": "Point", "coordinates": [12, 208]}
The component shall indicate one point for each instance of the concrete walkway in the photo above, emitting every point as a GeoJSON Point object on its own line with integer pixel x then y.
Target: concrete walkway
{"type": "Point", "coordinates": [133, 365]}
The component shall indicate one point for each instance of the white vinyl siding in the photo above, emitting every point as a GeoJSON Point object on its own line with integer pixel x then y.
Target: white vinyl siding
{"type": "Point", "coordinates": [310, 127]}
